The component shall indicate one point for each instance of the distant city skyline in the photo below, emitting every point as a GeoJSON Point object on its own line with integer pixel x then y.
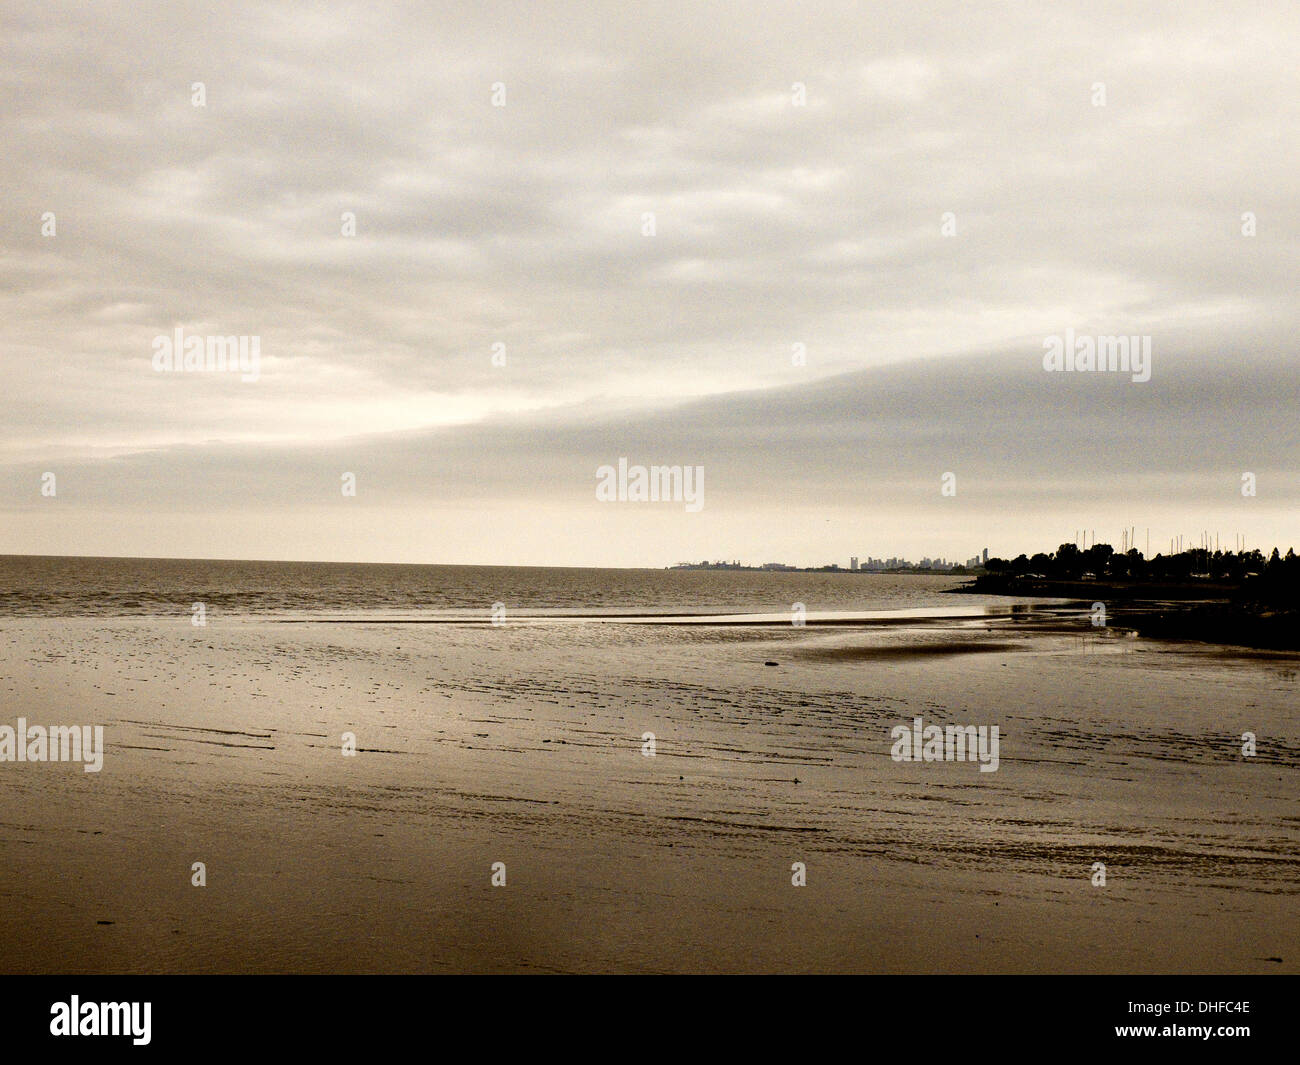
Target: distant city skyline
{"type": "Point", "coordinates": [865, 563]}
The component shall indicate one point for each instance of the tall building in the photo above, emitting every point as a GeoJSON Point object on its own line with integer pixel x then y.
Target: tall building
{"type": "Point", "coordinates": [986, 557]}
{"type": "Point", "coordinates": [853, 563]}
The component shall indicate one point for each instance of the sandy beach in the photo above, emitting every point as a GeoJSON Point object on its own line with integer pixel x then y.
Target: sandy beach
{"type": "Point", "coordinates": [523, 744]}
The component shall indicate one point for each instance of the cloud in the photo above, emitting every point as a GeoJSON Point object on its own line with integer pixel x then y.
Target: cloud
{"type": "Point", "coordinates": [775, 225]}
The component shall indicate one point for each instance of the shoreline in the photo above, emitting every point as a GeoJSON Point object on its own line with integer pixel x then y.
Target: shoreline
{"type": "Point", "coordinates": [524, 745]}
{"type": "Point", "coordinates": [1204, 611]}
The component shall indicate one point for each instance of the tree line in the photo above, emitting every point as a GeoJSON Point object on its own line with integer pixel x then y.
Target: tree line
{"type": "Point", "coordinates": [1274, 576]}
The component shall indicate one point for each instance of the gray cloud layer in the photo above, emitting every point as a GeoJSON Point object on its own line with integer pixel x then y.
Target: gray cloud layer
{"type": "Point", "coordinates": [775, 225]}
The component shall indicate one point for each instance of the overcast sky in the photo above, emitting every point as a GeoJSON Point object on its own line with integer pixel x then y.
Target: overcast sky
{"type": "Point", "coordinates": [1095, 160]}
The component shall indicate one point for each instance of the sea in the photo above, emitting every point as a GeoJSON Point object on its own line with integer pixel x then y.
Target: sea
{"type": "Point", "coordinates": [122, 587]}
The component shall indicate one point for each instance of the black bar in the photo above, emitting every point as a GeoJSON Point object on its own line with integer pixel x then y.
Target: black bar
{"type": "Point", "coordinates": [883, 1015]}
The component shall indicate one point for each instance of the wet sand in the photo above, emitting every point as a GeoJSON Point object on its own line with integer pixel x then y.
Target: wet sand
{"type": "Point", "coordinates": [522, 744]}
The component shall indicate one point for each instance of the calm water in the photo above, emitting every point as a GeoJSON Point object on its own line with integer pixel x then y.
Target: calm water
{"type": "Point", "coordinates": [70, 587]}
